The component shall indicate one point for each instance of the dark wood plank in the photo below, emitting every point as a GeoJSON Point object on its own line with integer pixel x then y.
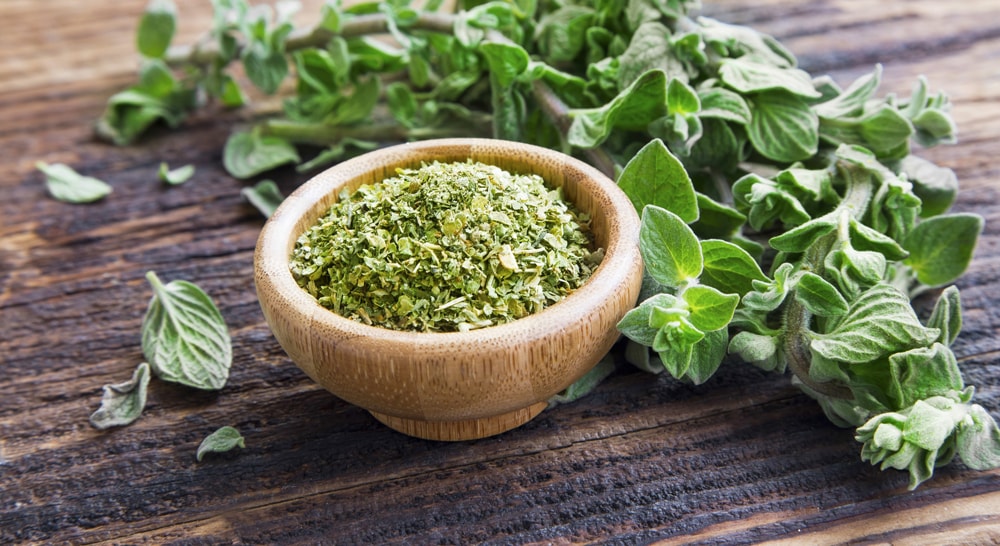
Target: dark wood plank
{"type": "Point", "coordinates": [744, 458]}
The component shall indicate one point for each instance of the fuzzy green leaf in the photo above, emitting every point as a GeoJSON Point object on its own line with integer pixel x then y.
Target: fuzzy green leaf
{"type": "Point", "coordinates": [936, 186]}
{"type": "Point", "coordinates": [264, 196]}
{"type": "Point", "coordinates": [721, 103]}
{"type": "Point", "coordinates": [819, 297]}
{"type": "Point", "coordinates": [922, 373]}
{"type": "Point", "coordinates": [176, 176]}
{"type": "Point", "coordinates": [655, 177]}
{"type": "Point", "coordinates": [156, 28]}
{"type": "Point", "coordinates": [248, 153]}
{"type": "Point", "coordinates": [941, 247]}
{"type": "Point", "coordinates": [222, 440]}
{"type": "Point", "coordinates": [753, 77]}
{"type": "Point", "coordinates": [184, 336]}
{"type": "Point", "coordinates": [729, 268]}
{"type": "Point", "coordinates": [710, 309]}
{"type": "Point", "coordinates": [670, 250]}
{"type": "Point", "coordinates": [69, 186]}
{"type": "Point", "coordinates": [880, 322]}
{"type": "Point", "coordinates": [123, 402]}
{"type": "Point", "coordinates": [707, 356]}
{"type": "Point", "coordinates": [632, 109]}
{"type": "Point", "coordinates": [784, 128]}
{"type": "Point", "coordinates": [947, 315]}
{"type": "Point", "coordinates": [979, 440]}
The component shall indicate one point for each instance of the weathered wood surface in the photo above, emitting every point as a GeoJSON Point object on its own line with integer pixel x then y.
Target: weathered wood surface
{"type": "Point", "coordinates": [743, 458]}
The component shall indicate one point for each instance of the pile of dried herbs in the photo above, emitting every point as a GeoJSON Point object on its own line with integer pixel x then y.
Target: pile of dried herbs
{"type": "Point", "coordinates": [445, 247]}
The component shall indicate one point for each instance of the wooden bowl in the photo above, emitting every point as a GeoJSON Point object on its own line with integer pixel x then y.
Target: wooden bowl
{"type": "Point", "coordinates": [453, 385]}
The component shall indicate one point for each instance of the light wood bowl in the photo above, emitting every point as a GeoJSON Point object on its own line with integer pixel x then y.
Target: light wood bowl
{"type": "Point", "coordinates": [454, 385]}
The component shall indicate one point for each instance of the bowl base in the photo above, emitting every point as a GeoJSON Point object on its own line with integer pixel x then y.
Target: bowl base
{"type": "Point", "coordinates": [454, 431]}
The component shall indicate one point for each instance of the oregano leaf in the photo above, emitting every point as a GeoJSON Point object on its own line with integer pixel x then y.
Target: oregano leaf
{"type": "Point", "coordinates": [264, 196]}
{"type": "Point", "coordinates": [818, 296]}
{"type": "Point", "coordinates": [880, 322]}
{"type": "Point", "coordinates": [224, 439]}
{"type": "Point", "coordinates": [947, 315]}
{"type": "Point", "coordinates": [69, 186]}
{"type": "Point", "coordinates": [783, 128]}
{"type": "Point", "coordinates": [633, 108]}
{"type": "Point", "coordinates": [707, 356]}
{"type": "Point", "coordinates": [156, 28]}
{"type": "Point", "coordinates": [176, 176]}
{"type": "Point", "coordinates": [184, 336]}
{"type": "Point", "coordinates": [941, 247]}
{"type": "Point", "coordinates": [979, 440]}
{"type": "Point", "coordinates": [729, 268]}
{"type": "Point", "coordinates": [654, 176]}
{"type": "Point", "coordinates": [710, 309]}
{"type": "Point", "coordinates": [247, 154]}
{"type": "Point", "coordinates": [122, 403]}
{"type": "Point", "coordinates": [923, 372]}
{"type": "Point", "coordinates": [670, 250]}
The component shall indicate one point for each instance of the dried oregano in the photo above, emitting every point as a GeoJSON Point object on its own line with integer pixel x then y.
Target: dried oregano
{"type": "Point", "coordinates": [446, 247]}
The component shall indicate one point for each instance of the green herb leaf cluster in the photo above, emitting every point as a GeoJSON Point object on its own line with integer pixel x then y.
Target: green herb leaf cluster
{"type": "Point", "coordinates": [784, 219]}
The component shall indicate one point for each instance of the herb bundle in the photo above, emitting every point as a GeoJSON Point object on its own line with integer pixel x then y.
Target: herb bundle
{"type": "Point", "coordinates": [784, 218]}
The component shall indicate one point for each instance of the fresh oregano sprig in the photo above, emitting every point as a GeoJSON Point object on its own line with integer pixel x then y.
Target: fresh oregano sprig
{"type": "Point", "coordinates": [784, 219]}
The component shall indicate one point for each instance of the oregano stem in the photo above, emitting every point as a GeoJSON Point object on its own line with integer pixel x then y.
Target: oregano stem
{"type": "Point", "coordinates": [324, 135]}
{"type": "Point", "coordinates": [797, 318]}
{"type": "Point", "coordinates": [360, 25]}
{"type": "Point", "coordinates": [558, 113]}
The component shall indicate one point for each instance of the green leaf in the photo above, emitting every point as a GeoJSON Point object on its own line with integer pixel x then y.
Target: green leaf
{"type": "Point", "coordinates": [670, 250]}
{"type": "Point", "coordinates": [715, 220]}
{"type": "Point", "coordinates": [766, 201]}
{"type": "Point", "coordinates": [979, 440]}
{"type": "Point", "coordinates": [818, 296]}
{"type": "Point", "coordinates": [729, 268]}
{"type": "Point", "coordinates": [927, 426]}
{"type": "Point", "coordinates": [717, 102]}
{"type": "Point", "coordinates": [123, 402]}
{"type": "Point", "coordinates": [635, 325]}
{"type": "Point", "coordinates": [880, 322]}
{"type": "Point", "coordinates": [784, 128]}
{"type": "Point", "coordinates": [710, 309]}
{"type": "Point", "coordinates": [655, 177]}
{"type": "Point", "coordinates": [800, 238]}
{"type": "Point", "coordinates": [264, 196]}
{"type": "Point", "coordinates": [760, 350]}
{"type": "Point", "coordinates": [176, 176]}
{"type": "Point", "coordinates": [265, 67]}
{"type": "Point", "coordinates": [748, 77]}
{"type": "Point", "coordinates": [184, 337]}
{"type": "Point", "coordinates": [507, 61]}
{"type": "Point", "coordinates": [69, 186]}
{"type": "Point", "coordinates": [586, 384]}
{"type": "Point", "coordinates": [649, 49]}
{"type": "Point", "coordinates": [633, 109]}
{"type": "Point", "coordinates": [707, 356]}
{"type": "Point", "coordinates": [941, 247]}
{"type": "Point", "coordinates": [768, 295]}
{"type": "Point", "coordinates": [222, 440]}
{"type": "Point", "coordinates": [947, 315]}
{"type": "Point", "coordinates": [248, 153]}
{"type": "Point", "coordinates": [852, 101]}
{"type": "Point", "coordinates": [935, 186]}
{"type": "Point", "coordinates": [681, 98]}
{"type": "Point", "coordinates": [560, 34]}
{"type": "Point", "coordinates": [156, 28]}
{"type": "Point", "coordinates": [922, 373]}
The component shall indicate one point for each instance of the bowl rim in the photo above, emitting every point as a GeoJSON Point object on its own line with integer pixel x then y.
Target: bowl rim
{"type": "Point", "coordinates": [272, 252]}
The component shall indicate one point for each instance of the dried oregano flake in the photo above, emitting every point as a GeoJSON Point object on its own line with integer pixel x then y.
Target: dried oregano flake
{"type": "Point", "coordinates": [446, 247]}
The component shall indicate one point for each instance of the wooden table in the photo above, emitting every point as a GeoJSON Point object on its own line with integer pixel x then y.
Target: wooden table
{"type": "Point", "coordinates": [744, 458]}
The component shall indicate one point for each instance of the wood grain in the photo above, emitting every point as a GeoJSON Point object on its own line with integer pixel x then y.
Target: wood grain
{"type": "Point", "coordinates": [745, 458]}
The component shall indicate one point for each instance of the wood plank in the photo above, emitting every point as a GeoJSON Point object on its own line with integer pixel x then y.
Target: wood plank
{"type": "Point", "coordinates": [743, 458]}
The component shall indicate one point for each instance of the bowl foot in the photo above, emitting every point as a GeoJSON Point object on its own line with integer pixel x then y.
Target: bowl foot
{"type": "Point", "coordinates": [470, 429]}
